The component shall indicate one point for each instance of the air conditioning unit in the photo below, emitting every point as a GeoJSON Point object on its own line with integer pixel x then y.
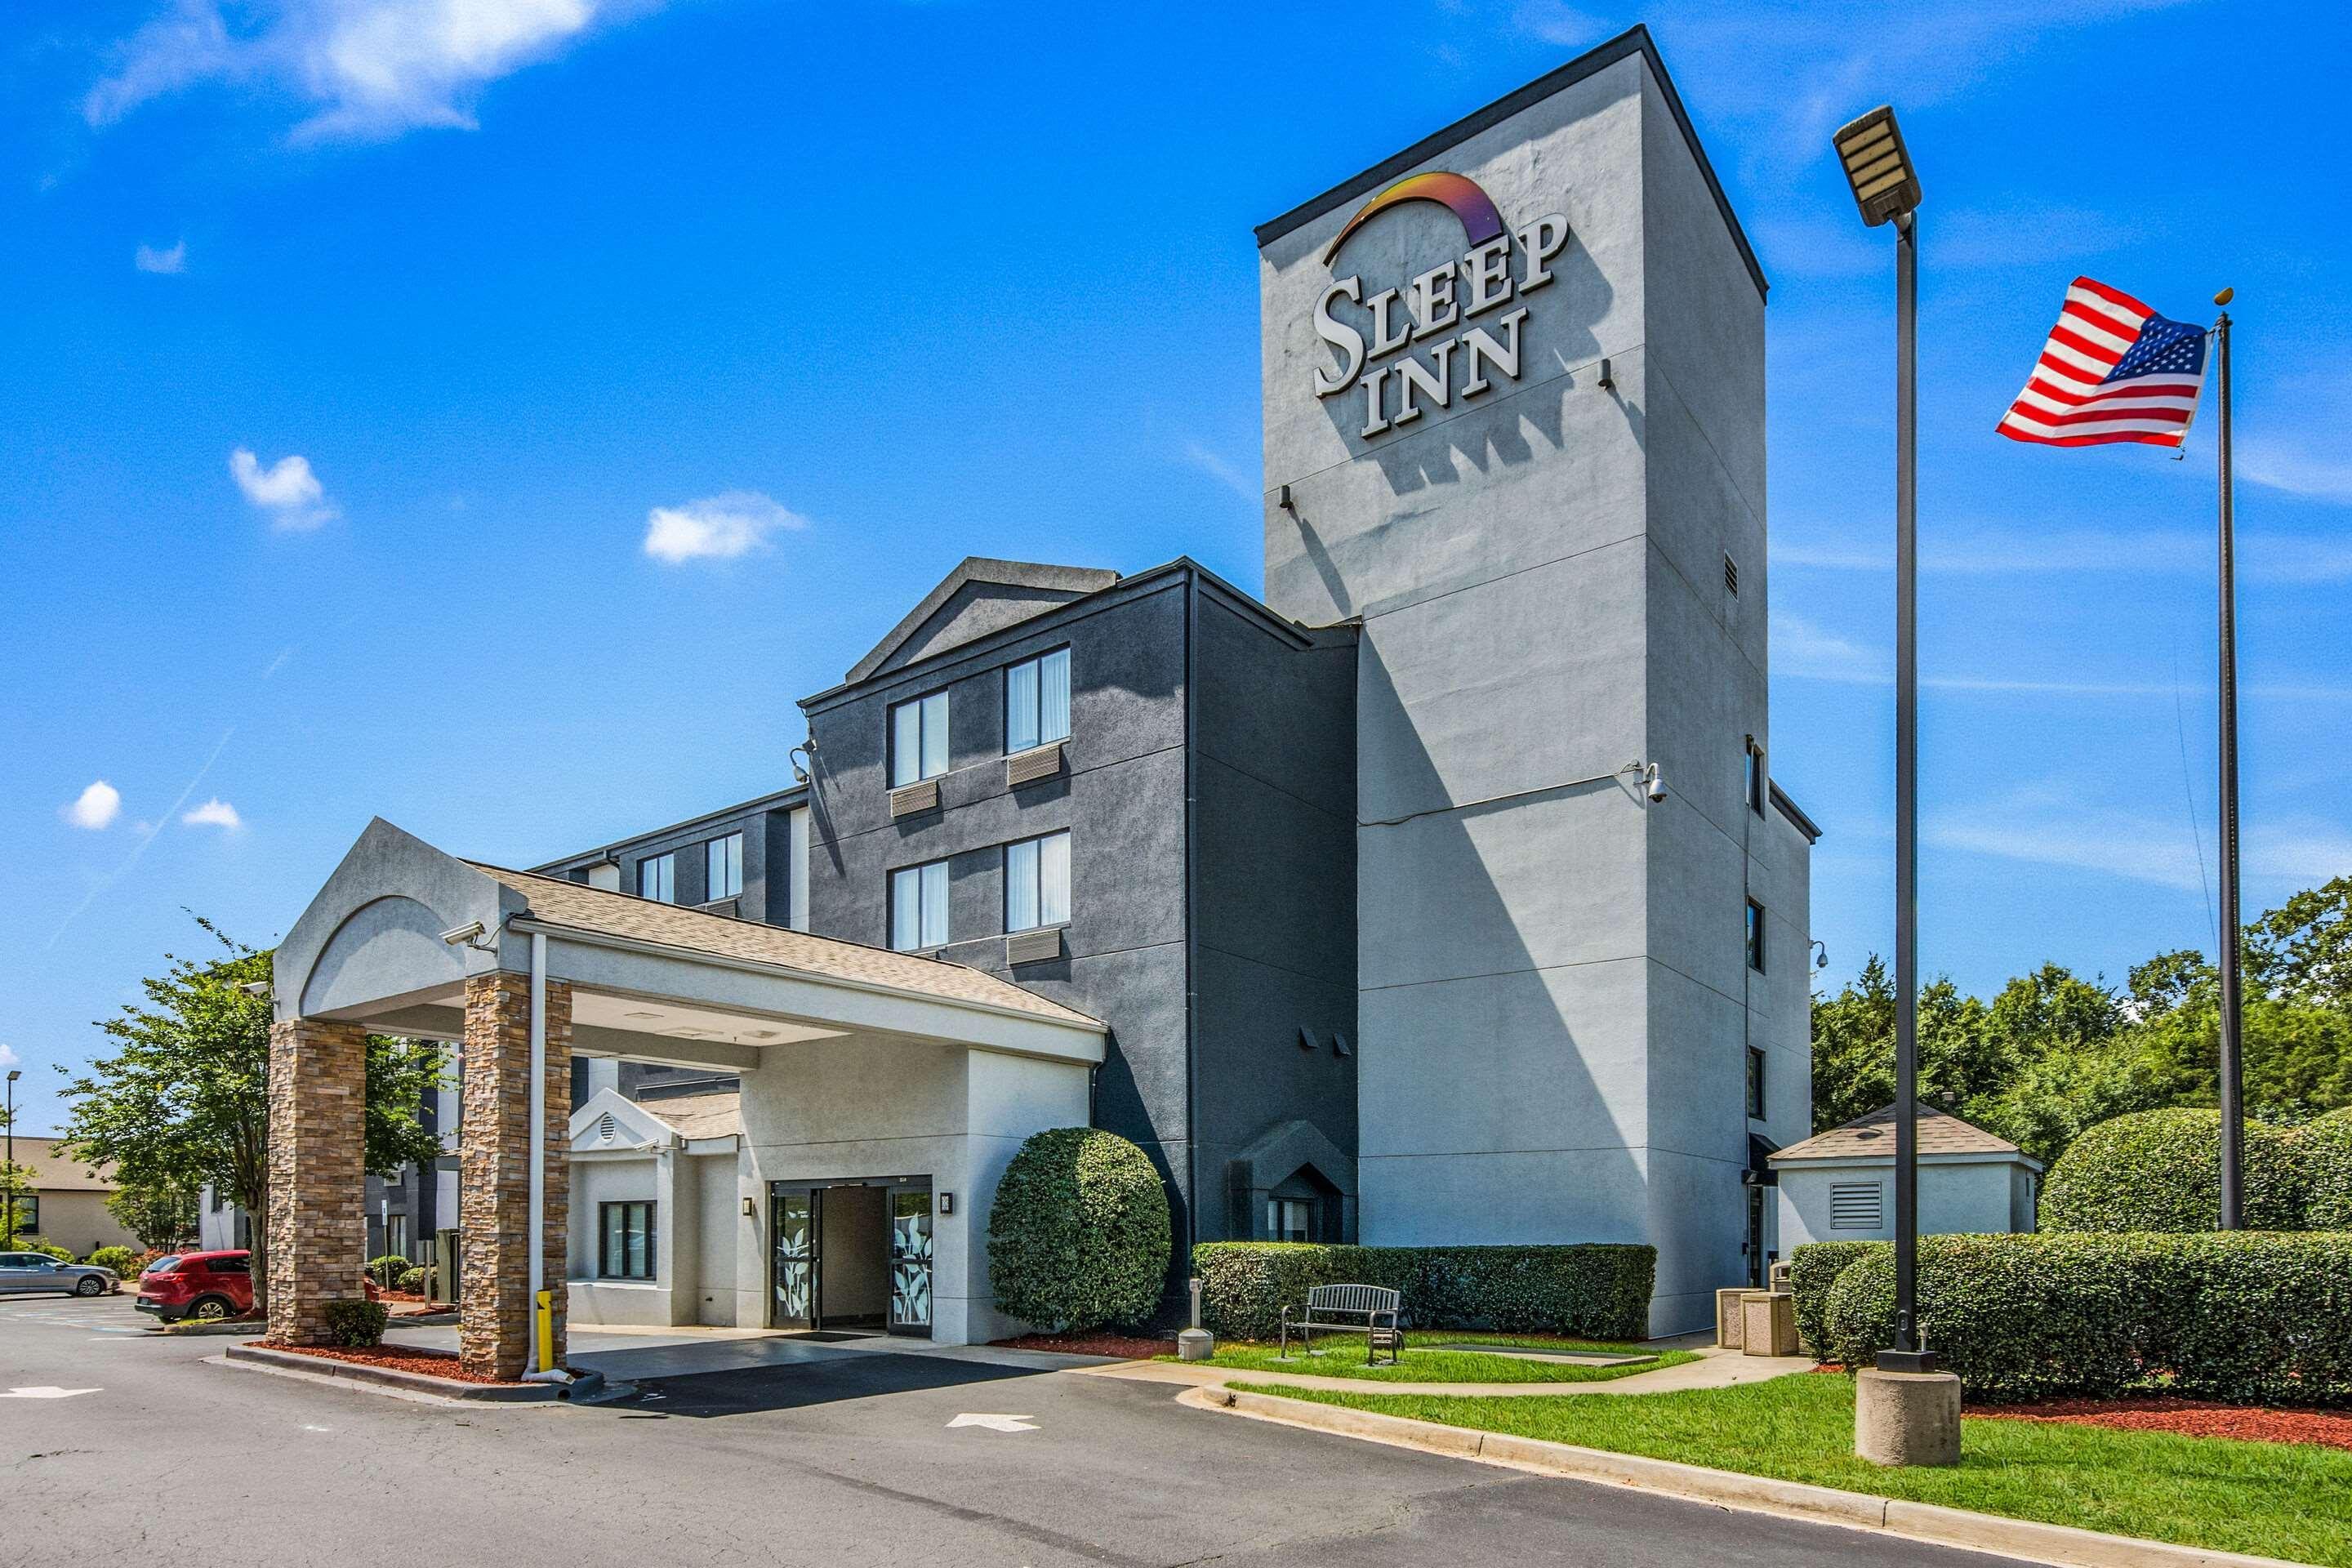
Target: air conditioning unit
{"type": "Point", "coordinates": [909, 799]}
{"type": "Point", "coordinates": [1037, 763]}
{"type": "Point", "coordinates": [1033, 946]}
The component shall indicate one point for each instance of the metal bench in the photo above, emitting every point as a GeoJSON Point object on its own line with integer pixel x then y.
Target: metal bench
{"type": "Point", "coordinates": [1370, 1310]}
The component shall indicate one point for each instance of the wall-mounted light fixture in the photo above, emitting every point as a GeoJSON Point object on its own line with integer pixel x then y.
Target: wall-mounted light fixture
{"type": "Point", "coordinates": [803, 757]}
{"type": "Point", "coordinates": [751, 1209]}
{"type": "Point", "coordinates": [947, 1202]}
{"type": "Point", "coordinates": [1282, 499]}
{"type": "Point", "coordinates": [1608, 377]}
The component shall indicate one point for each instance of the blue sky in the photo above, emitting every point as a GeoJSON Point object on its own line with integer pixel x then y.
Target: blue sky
{"type": "Point", "coordinates": [526, 313]}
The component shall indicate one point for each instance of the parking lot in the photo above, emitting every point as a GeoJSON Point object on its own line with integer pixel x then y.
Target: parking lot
{"type": "Point", "coordinates": [759, 1451]}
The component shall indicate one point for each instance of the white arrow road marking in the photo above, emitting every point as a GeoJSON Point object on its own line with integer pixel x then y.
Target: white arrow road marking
{"type": "Point", "coordinates": [995, 1423]}
{"type": "Point", "coordinates": [45, 1393]}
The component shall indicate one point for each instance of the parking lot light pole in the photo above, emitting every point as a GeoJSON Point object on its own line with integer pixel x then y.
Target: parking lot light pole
{"type": "Point", "coordinates": [1905, 1413]}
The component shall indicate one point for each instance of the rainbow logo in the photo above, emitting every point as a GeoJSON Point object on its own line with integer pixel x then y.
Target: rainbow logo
{"type": "Point", "coordinates": [1457, 194]}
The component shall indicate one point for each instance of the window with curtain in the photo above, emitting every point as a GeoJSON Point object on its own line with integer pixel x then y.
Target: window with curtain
{"type": "Point", "coordinates": [918, 739]}
{"type": "Point", "coordinates": [724, 860]}
{"type": "Point", "coordinates": [1755, 936]}
{"type": "Point", "coordinates": [1037, 882]}
{"type": "Point", "coordinates": [1038, 701]}
{"type": "Point", "coordinates": [658, 877]}
{"type": "Point", "coordinates": [626, 1248]}
{"type": "Point", "coordinates": [918, 907]}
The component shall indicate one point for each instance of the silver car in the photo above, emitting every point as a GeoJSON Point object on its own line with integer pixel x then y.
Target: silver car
{"type": "Point", "coordinates": [37, 1274]}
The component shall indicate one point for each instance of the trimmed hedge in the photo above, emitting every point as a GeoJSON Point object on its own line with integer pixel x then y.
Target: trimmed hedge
{"type": "Point", "coordinates": [386, 1270]}
{"type": "Point", "coordinates": [122, 1260]}
{"type": "Point", "coordinates": [1078, 1235]}
{"type": "Point", "coordinates": [43, 1245]}
{"type": "Point", "coordinates": [2328, 1171]}
{"type": "Point", "coordinates": [357, 1323]}
{"type": "Point", "coordinates": [1813, 1267]}
{"type": "Point", "coordinates": [2161, 1171]}
{"type": "Point", "coordinates": [2246, 1316]}
{"type": "Point", "coordinates": [1598, 1290]}
{"type": "Point", "coordinates": [413, 1280]}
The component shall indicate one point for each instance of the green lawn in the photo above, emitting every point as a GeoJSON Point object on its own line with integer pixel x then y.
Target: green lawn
{"type": "Point", "coordinates": [2275, 1499]}
{"type": "Point", "coordinates": [1341, 1355]}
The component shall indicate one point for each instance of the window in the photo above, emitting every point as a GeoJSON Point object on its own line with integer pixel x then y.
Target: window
{"type": "Point", "coordinates": [28, 1215]}
{"type": "Point", "coordinates": [1857, 1205]}
{"type": "Point", "coordinates": [658, 877]}
{"type": "Point", "coordinates": [1290, 1219]}
{"type": "Point", "coordinates": [1038, 701]}
{"type": "Point", "coordinates": [1755, 936]}
{"type": "Point", "coordinates": [918, 739]}
{"type": "Point", "coordinates": [229, 1266]}
{"type": "Point", "coordinates": [918, 907]}
{"type": "Point", "coordinates": [625, 1246]}
{"type": "Point", "coordinates": [722, 861]}
{"type": "Point", "coordinates": [1758, 783]}
{"type": "Point", "coordinates": [1755, 1084]}
{"type": "Point", "coordinates": [1037, 882]}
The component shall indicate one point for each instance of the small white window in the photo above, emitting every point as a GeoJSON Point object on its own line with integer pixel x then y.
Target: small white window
{"type": "Point", "coordinates": [1037, 882]}
{"type": "Point", "coordinates": [1038, 701]}
{"type": "Point", "coordinates": [918, 739]}
{"type": "Point", "coordinates": [918, 907]}
{"type": "Point", "coordinates": [658, 877]}
{"type": "Point", "coordinates": [1290, 1219]}
{"type": "Point", "coordinates": [724, 860]}
{"type": "Point", "coordinates": [1857, 1205]}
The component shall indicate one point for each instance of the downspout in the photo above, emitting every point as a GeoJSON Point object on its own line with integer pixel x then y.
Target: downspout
{"type": "Point", "coordinates": [1191, 926]}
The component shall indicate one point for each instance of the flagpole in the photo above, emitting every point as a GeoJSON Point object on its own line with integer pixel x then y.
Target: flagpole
{"type": "Point", "coordinates": [2232, 1080]}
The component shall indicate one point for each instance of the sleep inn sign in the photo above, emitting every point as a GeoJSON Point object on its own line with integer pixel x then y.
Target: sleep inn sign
{"type": "Point", "coordinates": [1441, 893]}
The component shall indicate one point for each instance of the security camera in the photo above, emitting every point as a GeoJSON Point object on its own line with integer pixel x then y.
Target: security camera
{"type": "Point", "coordinates": [464, 936]}
{"type": "Point", "coordinates": [1656, 780]}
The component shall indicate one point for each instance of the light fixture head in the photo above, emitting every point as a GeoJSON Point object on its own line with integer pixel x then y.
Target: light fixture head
{"type": "Point", "coordinates": [1877, 167]}
{"type": "Point", "coordinates": [1655, 781]}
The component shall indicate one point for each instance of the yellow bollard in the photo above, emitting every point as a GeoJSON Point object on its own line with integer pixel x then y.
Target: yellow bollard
{"type": "Point", "coordinates": [546, 1330]}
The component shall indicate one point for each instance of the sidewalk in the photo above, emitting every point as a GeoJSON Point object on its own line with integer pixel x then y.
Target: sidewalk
{"type": "Point", "coordinates": [1716, 1368]}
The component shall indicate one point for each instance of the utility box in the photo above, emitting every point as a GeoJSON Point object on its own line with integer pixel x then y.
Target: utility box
{"type": "Point", "coordinates": [1767, 1322]}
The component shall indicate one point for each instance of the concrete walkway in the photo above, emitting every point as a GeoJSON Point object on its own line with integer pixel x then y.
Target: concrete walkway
{"type": "Point", "coordinates": [1716, 1368]}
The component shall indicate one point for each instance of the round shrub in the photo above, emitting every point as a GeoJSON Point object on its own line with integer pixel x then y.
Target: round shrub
{"type": "Point", "coordinates": [1078, 1235]}
{"type": "Point", "coordinates": [1813, 1268]}
{"type": "Point", "coordinates": [386, 1270]}
{"type": "Point", "coordinates": [2328, 1171]}
{"type": "Point", "coordinates": [413, 1281]}
{"type": "Point", "coordinates": [2161, 1170]}
{"type": "Point", "coordinates": [122, 1260]}
{"type": "Point", "coordinates": [357, 1324]}
{"type": "Point", "coordinates": [45, 1248]}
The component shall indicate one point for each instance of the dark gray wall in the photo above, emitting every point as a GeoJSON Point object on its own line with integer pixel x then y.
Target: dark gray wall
{"type": "Point", "coordinates": [1275, 784]}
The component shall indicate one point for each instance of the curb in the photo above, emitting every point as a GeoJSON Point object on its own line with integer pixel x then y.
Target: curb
{"type": "Point", "coordinates": [392, 1377]}
{"type": "Point", "coordinates": [2060, 1544]}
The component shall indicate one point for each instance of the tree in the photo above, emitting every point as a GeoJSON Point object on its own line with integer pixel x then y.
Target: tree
{"type": "Point", "coordinates": [2302, 950]}
{"type": "Point", "coordinates": [163, 1218]}
{"type": "Point", "coordinates": [15, 1188]}
{"type": "Point", "coordinates": [185, 1100]}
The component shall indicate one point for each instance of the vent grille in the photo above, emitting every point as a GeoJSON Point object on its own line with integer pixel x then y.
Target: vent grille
{"type": "Point", "coordinates": [1731, 573]}
{"type": "Point", "coordinates": [1857, 1205]}
{"type": "Point", "coordinates": [915, 797]}
{"type": "Point", "coordinates": [605, 1128]}
{"type": "Point", "coordinates": [1036, 763]}
{"type": "Point", "coordinates": [726, 907]}
{"type": "Point", "coordinates": [1033, 946]}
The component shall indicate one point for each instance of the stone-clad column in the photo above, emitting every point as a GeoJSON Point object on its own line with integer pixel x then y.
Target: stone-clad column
{"type": "Point", "coordinates": [318, 1208]}
{"type": "Point", "coordinates": [494, 1170]}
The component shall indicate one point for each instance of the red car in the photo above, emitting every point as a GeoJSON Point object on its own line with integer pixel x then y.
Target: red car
{"type": "Point", "coordinates": [198, 1285]}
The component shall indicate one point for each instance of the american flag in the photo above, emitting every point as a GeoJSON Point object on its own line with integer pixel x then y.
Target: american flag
{"type": "Point", "coordinates": [2113, 370]}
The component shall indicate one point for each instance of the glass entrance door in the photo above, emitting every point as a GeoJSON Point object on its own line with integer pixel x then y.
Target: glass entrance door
{"type": "Point", "coordinates": [910, 1259]}
{"type": "Point", "coordinates": [792, 1214]}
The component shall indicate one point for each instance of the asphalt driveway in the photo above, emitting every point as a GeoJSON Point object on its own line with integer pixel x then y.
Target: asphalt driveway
{"type": "Point", "coordinates": [118, 1440]}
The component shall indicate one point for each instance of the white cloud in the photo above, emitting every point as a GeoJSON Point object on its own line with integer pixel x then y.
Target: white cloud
{"type": "Point", "coordinates": [95, 807]}
{"type": "Point", "coordinates": [1223, 472]}
{"type": "Point", "coordinates": [147, 259]}
{"type": "Point", "coordinates": [9, 1058]}
{"type": "Point", "coordinates": [288, 491]}
{"type": "Point", "coordinates": [2283, 466]}
{"type": "Point", "coordinates": [2266, 557]}
{"type": "Point", "coordinates": [718, 527]}
{"type": "Point", "coordinates": [2046, 824]}
{"type": "Point", "coordinates": [1809, 650]}
{"type": "Point", "coordinates": [363, 69]}
{"type": "Point", "coordinates": [214, 813]}
{"type": "Point", "coordinates": [1555, 23]}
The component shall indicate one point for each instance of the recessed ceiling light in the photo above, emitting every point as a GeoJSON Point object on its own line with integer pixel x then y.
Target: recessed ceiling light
{"type": "Point", "coordinates": [641, 1015]}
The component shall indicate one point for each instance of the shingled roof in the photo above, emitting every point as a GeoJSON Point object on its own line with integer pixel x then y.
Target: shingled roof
{"type": "Point", "coordinates": [594, 911]}
{"type": "Point", "coordinates": [718, 1115]}
{"type": "Point", "coordinates": [1873, 1136]}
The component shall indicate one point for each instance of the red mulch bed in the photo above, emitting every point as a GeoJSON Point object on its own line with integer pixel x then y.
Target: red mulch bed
{"type": "Point", "coordinates": [2190, 1417]}
{"type": "Point", "coordinates": [1125, 1346]}
{"type": "Point", "coordinates": [399, 1358]}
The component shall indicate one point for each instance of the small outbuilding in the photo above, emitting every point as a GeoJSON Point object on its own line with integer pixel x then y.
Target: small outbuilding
{"type": "Point", "coordinates": [1839, 1186]}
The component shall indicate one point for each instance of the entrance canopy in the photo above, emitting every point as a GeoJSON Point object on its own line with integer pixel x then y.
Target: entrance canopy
{"type": "Point", "coordinates": [389, 942]}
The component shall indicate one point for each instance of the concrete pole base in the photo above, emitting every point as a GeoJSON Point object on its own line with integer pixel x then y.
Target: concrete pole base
{"type": "Point", "coordinates": [1907, 1417]}
{"type": "Point", "coordinates": [1195, 1344]}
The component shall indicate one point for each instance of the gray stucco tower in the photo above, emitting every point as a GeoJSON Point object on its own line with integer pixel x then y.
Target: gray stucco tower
{"type": "Point", "coordinates": [1514, 392]}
